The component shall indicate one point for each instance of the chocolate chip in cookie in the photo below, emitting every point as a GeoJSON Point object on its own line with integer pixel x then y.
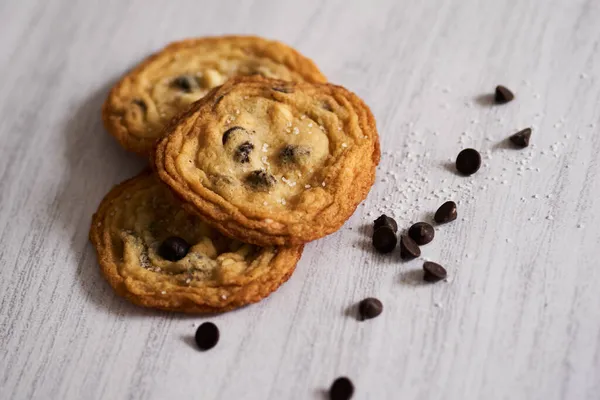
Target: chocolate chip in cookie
{"type": "Point", "coordinates": [242, 153]}
{"type": "Point", "coordinates": [283, 88]}
{"type": "Point", "coordinates": [174, 248]}
{"type": "Point", "coordinates": [293, 153]}
{"type": "Point", "coordinates": [326, 106]}
{"type": "Point", "coordinates": [229, 133]}
{"type": "Point", "coordinates": [260, 180]}
{"type": "Point", "coordinates": [186, 83]}
{"type": "Point", "coordinates": [141, 104]}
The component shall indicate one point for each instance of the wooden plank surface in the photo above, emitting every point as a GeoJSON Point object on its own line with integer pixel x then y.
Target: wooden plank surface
{"type": "Point", "coordinates": [520, 315]}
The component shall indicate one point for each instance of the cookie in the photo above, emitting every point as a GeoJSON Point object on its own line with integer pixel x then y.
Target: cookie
{"type": "Point", "coordinates": [272, 162]}
{"type": "Point", "coordinates": [157, 255]}
{"type": "Point", "coordinates": [143, 102]}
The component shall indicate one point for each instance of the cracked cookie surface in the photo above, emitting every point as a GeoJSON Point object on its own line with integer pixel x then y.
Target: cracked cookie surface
{"type": "Point", "coordinates": [166, 83]}
{"type": "Point", "coordinates": [271, 162]}
{"type": "Point", "coordinates": [157, 255]}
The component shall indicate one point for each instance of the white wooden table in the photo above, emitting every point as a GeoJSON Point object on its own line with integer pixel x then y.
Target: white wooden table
{"type": "Point", "coordinates": [520, 315]}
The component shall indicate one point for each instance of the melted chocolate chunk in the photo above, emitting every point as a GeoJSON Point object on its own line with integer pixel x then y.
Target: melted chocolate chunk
{"type": "Point", "coordinates": [283, 88]}
{"type": "Point", "coordinates": [326, 106]}
{"type": "Point", "coordinates": [141, 104]}
{"type": "Point", "coordinates": [242, 153]}
{"type": "Point", "coordinates": [293, 154]}
{"type": "Point", "coordinates": [174, 248]}
{"type": "Point", "coordinates": [186, 83]}
{"type": "Point", "coordinates": [231, 131]}
{"type": "Point", "coordinates": [260, 180]}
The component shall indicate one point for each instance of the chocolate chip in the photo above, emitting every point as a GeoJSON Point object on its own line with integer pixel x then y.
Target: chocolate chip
{"type": "Point", "coordinates": [384, 239]}
{"type": "Point", "coordinates": [421, 232]}
{"type": "Point", "coordinates": [207, 336]}
{"type": "Point", "coordinates": [384, 220]}
{"type": "Point", "coordinates": [446, 213]}
{"type": "Point", "coordinates": [260, 179]}
{"type": "Point", "coordinates": [408, 248]}
{"type": "Point", "coordinates": [218, 100]}
{"type": "Point", "coordinates": [231, 131]}
{"type": "Point", "coordinates": [292, 153]}
{"type": "Point", "coordinates": [503, 95]}
{"type": "Point", "coordinates": [173, 248]}
{"type": "Point", "coordinates": [521, 138]}
{"type": "Point", "coordinates": [283, 89]}
{"type": "Point", "coordinates": [326, 106]}
{"type": "Point", "coordinates": [369, 308]}
{"type": "Point", "coordinates": [242, 153]}
{"type": "Point", "coordinates": [433, 272]}
{"type": "Point", "coordinates": [186, 83]}
{"type": "Point", "coordinates": [341, 389]}
{"type": "Point", "coordinates": [468, 161]}
{"type": "Point", "coordinates": [141, 104]}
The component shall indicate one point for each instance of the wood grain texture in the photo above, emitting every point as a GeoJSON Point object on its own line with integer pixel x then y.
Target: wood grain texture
{"type": "Point", "coordinates": [520, 316]}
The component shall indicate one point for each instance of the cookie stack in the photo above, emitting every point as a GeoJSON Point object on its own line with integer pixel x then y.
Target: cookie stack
{"type": "Point", "coordinates": [253, 154]}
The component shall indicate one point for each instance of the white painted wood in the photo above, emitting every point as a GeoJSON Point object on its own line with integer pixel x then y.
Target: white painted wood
{"type": "Point", "coordinates": [520, 317]}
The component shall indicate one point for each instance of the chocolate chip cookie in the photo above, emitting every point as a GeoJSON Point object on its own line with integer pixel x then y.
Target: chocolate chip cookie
{"type": "Point", "coordinates": [272, 162]}
{"type": "Point", "coordinates": [157, 255]}
{"type": "Point", "coordinates": [167, 82]}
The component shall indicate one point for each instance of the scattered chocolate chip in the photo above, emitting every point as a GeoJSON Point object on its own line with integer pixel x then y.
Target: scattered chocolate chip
{"type": "Point", "coordinates": [230, 132]}
{"type": "Point", "coordinates": [433, 272]}
{"type": "Point", "coordinates": [173, 248]}
{"type": "Point", "coordinates": [260, 179]}
{"type": "Point", "coordinates": [186, 83]}
{"type": "Point", "coordinates": [207, 336]}
{"type": "Point", "coordinates": [446, 213]}
{"type": "Point", "coordinates": [292, 153]}
{"type": "Point", "coordinates": [283, 89]}
{"type": "Point", "coordinates": [384, 220]}
{"type": "Point", "coordinates": [503, 95]}
{"type": "Point", "coordinates": [422, 233]}
{"type": "Point", "coordinates": [468, 161]}
{"type": "Point", "coordinates": [341, 389]}
{"type": "Point", "coordinates": [369, 308]}
{"type": "Point", "coordinates": [408, 248]}
{"type": "Point", "coordinates": [242, 153]}
{"type": "Point", "coordinates": [384, 239]}
{"type": "Point", "coordinates": [141, 104]}
{"type": "Point", "coordinates": [521, 138]}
